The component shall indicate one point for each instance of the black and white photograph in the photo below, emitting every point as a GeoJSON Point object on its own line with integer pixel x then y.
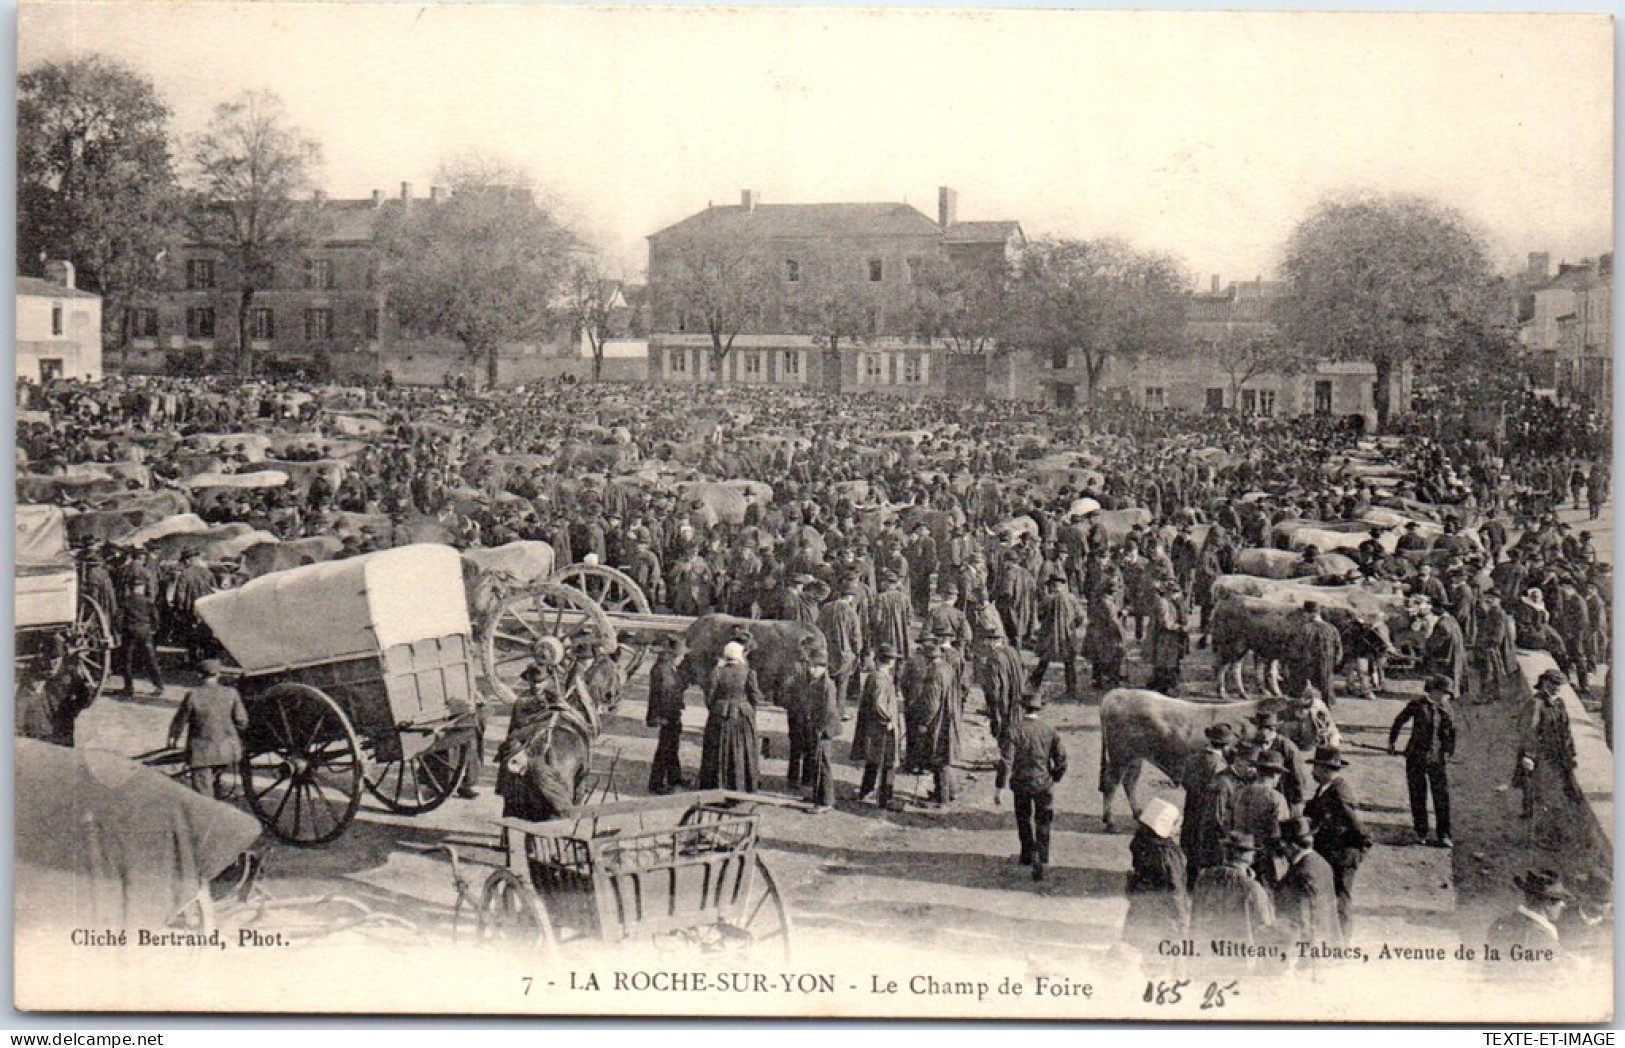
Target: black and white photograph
{"type": "Point", "coordinates": [813, 513]}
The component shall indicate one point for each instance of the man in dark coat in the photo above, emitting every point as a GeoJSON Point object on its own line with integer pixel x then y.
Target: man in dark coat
{"type": "Point", "coordinates": [891, 617]}
{"type": "Point", "coordinates": [842, 628]}
{"type": "Point", "coordinates": [1169, 642]}
{"type": "Point", "coordinates": [1228, 902]}
{"type": "Point", "coordinates": [139, 626]}
{"type": "Point", "coordinates": [731, 757]}
{"type": "Point", "coordinates": [1444, 649]}
{"type": "Point", "coordinates": [1036, 757]}
{"type": "Point", "coordinates": [1546, 756]}
{"type": "Point", "coordinates": [1209, 789]}
{"type": "Point", "coordinates": [1320, 652]}
{"type": "Point", "coordinates": [1062, 622]}
{"type": "Point", "coordinates": [1267, 738]}
{"type": "Point", "coordinates": [822, 704]}
{"type": "Point", "coordinates": [1306, 898]}
{"type": "Point", "coordinates": [666, 713]}
{"type": "Point", "coordinates": [880, 728]}
{"type": "Point", "coordinates": [1340, 834]}
{"type": "Point", "coordinates": [212, 717]}
{"type": "Point", "coordinates": [1533, 925]}
{"type": "Point", "coordinates": [1427, 753]}
{"type": "Point", "coordinates": [999, 673]}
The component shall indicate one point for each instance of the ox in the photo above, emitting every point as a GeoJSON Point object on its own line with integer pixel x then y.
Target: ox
{"type": "Point", "coordinates": [1138, 726]}
{"type": "Point", "coordinates": [280, 556]}
{"type": "Point", "coordinates": [725, 501]}
{"type": "Point", "coordinates": [1289, 564]}
{"type": "Point", "coordinates": [1011, 531]}
{"type": "Point", "coordinates": [1272, 631]}
{"type": "Point", "coordinates": [775, 649]}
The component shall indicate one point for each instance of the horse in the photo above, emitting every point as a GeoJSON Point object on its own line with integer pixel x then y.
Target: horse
{"type": "Point", "coordinates": [542, 764]}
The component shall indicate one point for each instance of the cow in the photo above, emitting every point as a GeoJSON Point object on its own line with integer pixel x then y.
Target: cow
{"type": "Point", "coordinates": [267, 557]}
{"type": "Point", "coordinates": [1332, 536]}
{"type": "Point", "coordinates": [1117, 523]}
{"type": "Point", "coordinates": [576, 457]}
{"type": "Point", "coordinates": [774, 649]}
{"type": "Point", "coordinates": [154, 505]}
{"type": "Point", "coordinates": [1011, 531]}
{"type": "Point", "coordinates": [725, 501]}
{"type": "Point", "coordinates": [1139, 726]}
{"type": "Point", "coordinates": [1290, 564]}
{"type": "Point", "coordinates": [1272, 631]}
{"type": "Point", "coordinates": [103, 525]}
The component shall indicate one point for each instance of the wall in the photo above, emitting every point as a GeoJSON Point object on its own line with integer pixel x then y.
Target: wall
{"type": "Point", "coordinates": [78, 347]}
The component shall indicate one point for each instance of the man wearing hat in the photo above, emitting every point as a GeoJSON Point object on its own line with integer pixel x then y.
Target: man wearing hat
{"type": "Point", "coordinates": [1546, 757]}
{"type": "Point", "coordinates": [139, 625]}
{"type": "Point", "coordinates": [1267, 738]}
{"type": "Point", "coordinates": [1228, 902]}
{"type": "Point", "coordinates": [879, 738]}
{"type": "Point", "coordinates": [1306, 898]}
{"type": "Point", "coordinates": [1319, 650]}
{"type": "Point", "coordinates": [1258, 809]}
{"type": "Point", "coordinates": [798, 702]}
{"type": "Point", "coordinates": [891, 617]}
{"type": "Point", "coordinates": [212, 716]}
{"type": "Point", "coordinates": [1210, 788]}
{"type": "Point", "coordinates": [1062, 621]}
{"type": "Point", "coordinates": [821, 707]}
{"type": "Point", "coordinates": [842, 627]}
{"type": "Point", "coordinates": [1018, 601]}
{"type": "Point", "coordinates": [1412, 541]}
{"type": "Point", "coordinates": [666, 713]}
{"type": "Point", "coordinates": [1036, 757]}
{"type": "Point", "coordinates": [1169, 640]}
{"type": "Point", "coordinates": [796, 603]}
{"type": "Point", "coordinates": [1427, 753]}
{"type": "Point", "coordinates": [1533, 925]}
{"type": "Point", "coordinates": [1340, 834]}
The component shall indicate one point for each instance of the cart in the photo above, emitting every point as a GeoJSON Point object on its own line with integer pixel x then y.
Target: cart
{"type": "Point", "coordinates": [357, 674]}
{"type": "Point", "coordinates": [604, 877]}
{"type": "Point", "coordinates": [58, 625]}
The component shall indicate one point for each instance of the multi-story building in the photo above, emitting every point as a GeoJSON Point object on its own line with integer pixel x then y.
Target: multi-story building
{"type": "Point", "coordinates": [817, 296]}
{"type": "Point", "coordinates": [59, 328]}
{"type": "Point", "coordinates": [1566, 329]}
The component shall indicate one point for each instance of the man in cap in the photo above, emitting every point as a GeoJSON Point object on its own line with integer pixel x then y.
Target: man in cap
{"type": "Point", "coordinates": [1062, 621]}
{"type": "Point", "coordinates": [212, 717]}
{"type": "Point", "coordinates": [1428, 751]}
{"type": "Point", "coordinates": [139, 626]}
{"type": "Point", "coordinates": [1306, 898]}
{"type": "Point", "coordinates": [1267, 738]}
{"type": "Point", "coordinates": [1533, 925]}
{"type": "Point", "coordinates": [1036, 757]}
{"type": "Point", "coordinates": [1546, 756]}
{"type": "Point", "coordinates": [1169, 639]}
{"type": "Point", "coordinates": [1210, 788]}
{"type": "Point", "coordinates": [1340, 834]}
{"type": "Point", "coordinates": [880, 735]}
{"type": "Point", "coordinates": [1228, 902]}
{"type": "Point", "coordinates": [822, 723]}
{"type": "Point", "coordinates": [666, 713]}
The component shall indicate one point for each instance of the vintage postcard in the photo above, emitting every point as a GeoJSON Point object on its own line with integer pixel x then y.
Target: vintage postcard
{"type": "Point", "coordinates": [814, 513]}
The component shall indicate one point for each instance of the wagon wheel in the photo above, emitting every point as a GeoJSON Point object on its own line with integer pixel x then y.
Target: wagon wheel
{"type": "Point", "coordinates": [614, 591]}
{"type": "Point", "coordinates": [515, 629]}
{"type": "Point", "coordinates": [762, 921]}
{"type": "Point", "coordinates": [511, 915]}
{"type": "Point", "coordinates": [301, 765]}
{"type": "Point", "coordinates": [418, 784]}
{"type": "Point", "coordinates": [89, 647]}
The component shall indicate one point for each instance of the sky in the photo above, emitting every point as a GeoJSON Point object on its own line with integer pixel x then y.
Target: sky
{"type": "Point", "coordinates": [1205, 135]}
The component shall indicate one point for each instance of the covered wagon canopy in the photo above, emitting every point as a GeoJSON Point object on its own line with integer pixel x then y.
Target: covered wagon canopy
{"type": "Point", "coordinates": [366, 604]}
{"type": "Point", "coordinates": [260, 478]}
{"type": "Point", "coordinates": [42, 539]}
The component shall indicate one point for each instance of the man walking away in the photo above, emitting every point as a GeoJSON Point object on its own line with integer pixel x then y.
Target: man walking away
{"type": "Point", "coordinates": [212, 716]}
{"type": "Point", "coordinates": [1037, 761]}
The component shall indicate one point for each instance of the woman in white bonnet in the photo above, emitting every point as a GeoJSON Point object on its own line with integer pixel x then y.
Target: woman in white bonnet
{"type": "Point", "coordinates": [731, 757]}
{"type": "Point", "coordinates": [1158, 906]}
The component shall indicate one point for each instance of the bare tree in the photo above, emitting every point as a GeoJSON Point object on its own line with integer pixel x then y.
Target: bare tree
{"type": "Point", "coordinates": [964, 305]}
{"type": "Point", "coordinates": [484, 266]}
{"type": "Point", "coordinates": [590, 299]}
{"type": "Point", "coordinates": [251, 172]}
{"type": "Point", "coordinates": [718, 280]}
{"type": "Point", "coordinates": [1245, 355]}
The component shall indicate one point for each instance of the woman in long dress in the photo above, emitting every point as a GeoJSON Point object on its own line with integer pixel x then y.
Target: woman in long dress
{"type": "Point", "coordinates": [731, 756]}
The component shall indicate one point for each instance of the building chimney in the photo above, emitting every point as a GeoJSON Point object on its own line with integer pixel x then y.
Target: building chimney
{"type": "Point", "coordinates": [434, 194]}
{"type": "Point", "coordinates": [1214, 287]}
{"type": "Point", "coordinates": [319, 195]}
{"type": "Point", "coordinates": [377, 198]}
{"type": "Point", "coordinates": [59, 271]}
{"type": "Point", "coordinates": [1540, 264]}
{"type": "Point", "coordinates": [947, 207]}
{"type": "Point", "coordinates": [406, 191]}
{"type": "Point", "coordinates": [748, 199]}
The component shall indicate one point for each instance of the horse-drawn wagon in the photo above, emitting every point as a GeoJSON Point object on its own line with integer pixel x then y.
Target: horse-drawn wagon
{"type": "Point", "coordinates": [59, 626]}
{"type": "Point", "coordinates": [357, 674]}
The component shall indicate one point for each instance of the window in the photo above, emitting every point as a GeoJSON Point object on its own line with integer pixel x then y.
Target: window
{"type": "Point", "coordinates": [677, 360]}
{"type": "Point", "coordinates": [143, 323]}
{"type": "Point", "coordinates": [372, 323]}
{"type": "Point", "coordinates": [1249, 401]}
{"type": "Point", "coordinates": [872, 317]}
{"type": "Point", "coordinates": [199, 274]}
{"type": "Point", "coordinates": [1060, 359]}
{"type": "Point", "coordinates": [1215, 398]}
{"type": "Point", "coordinates": [915, 263]}
{"type": "Point", "coordinates": [682, 320]}
{"type": "Point", "coordinates": [318, 273]}
{"type": "Point", "coordinates": [1323, 397]}
{"type": "Point", "coordinates": [200, 322]}
{"type": "Point", "coordinates": [877, 271]}
{"type": "Point", "coordinates": [792, 362]}
{"type": "Point", "coordinates": [792, 271]}
{"type": "Point", "coordinates": [262, 324]}
{"type": "Point", "coordinates": [318, 324]}
{"type": "Point", "coordinates": [1266, 402]}
{"type": "Point", "coordinates": [1156, 397]}
{"type": "Point", "coordinates": [912, 372]}
{"type": "Point", "coordinates": [56, 318]}
{"type": "Point", "coordinates": [751, 364]}
{"type": "Point", "coordinates": [874, 367]}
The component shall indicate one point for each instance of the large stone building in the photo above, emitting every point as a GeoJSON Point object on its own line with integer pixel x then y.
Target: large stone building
{"type": "Point", "coordinates": [812, 296]}
{"type": "Point", "coordinates": [59, 328]}
{"type": "Point", "coordinates": [1565, 326]}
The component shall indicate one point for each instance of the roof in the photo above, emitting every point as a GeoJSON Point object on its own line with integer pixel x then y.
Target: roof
{"type": "Point", "coordinates": [982, 232]}
{"type": "Point", "coordinates": [790, 221]}
{"type": "Point", "coordinates": [50, 289]}
{"type": "Point", "coordinates": [1224, 307]}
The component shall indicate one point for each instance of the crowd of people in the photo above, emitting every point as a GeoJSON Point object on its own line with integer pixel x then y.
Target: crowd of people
{"type": "Point", "coordinates": [941, 551]}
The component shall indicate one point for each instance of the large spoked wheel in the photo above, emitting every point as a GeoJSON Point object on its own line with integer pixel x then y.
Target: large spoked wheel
{"type": "Point", "coordinates": [615, 592]}
{"type": "Point", "coordinates": [515, 630]}
{"type": "Point", "coordinates": [511, 916]}
{"type": "Point", "coordinates": [89, 646]}
{"type": "Point", "coordinates": [418, 784]}
{"type": "Point", "coordinates": [761, 924]}
{"type": "Point", "coordinates": [301, 765]}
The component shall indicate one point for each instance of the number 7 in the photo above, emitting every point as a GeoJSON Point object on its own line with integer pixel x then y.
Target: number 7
{"type": "Point", "coordinates": [527, 980]}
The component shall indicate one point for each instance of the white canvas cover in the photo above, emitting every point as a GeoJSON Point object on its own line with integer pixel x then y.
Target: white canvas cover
{"type": "Point", "coordinates": [179, 524]}
{"type": "Point", "coordinates": [46, 585]}
{"type": "Point", "coordinates": [341, 610]}
{"type": "Point", "coordinates": [42, 537]}
{"type": "Point", "coordinates": [261, 478]}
